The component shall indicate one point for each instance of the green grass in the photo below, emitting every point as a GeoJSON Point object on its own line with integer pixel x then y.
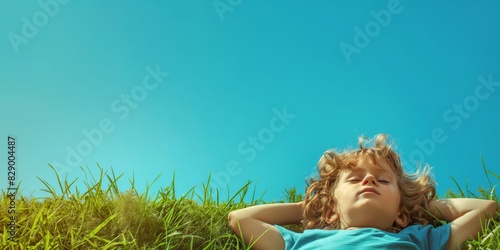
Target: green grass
{"type": "Point", "coordinates": [102, 217]}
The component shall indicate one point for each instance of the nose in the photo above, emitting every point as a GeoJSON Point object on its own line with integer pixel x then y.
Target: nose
{"type": "Point", "coordinates": [369, 179]}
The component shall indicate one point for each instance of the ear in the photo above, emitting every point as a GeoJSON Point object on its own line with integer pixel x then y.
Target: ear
{"type": "Point", "coordinates": [402, 220]}
{"type": "Point", "coordinates": [330, 217]}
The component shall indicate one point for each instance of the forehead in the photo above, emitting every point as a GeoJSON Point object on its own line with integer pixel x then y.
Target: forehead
{"type": "Point", "coordinates": [378, 165]}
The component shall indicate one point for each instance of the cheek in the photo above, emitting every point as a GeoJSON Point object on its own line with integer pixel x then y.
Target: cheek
{"type": "Point", "coordinates": [336, 193]}
{"type": "Point", "coordinates": [339, 192]}
{"type": "Point", "coordinates": [396, 194]}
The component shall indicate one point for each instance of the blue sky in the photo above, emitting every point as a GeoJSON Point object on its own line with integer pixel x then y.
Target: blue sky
{"type": "Point", "coordinates": [246, 90]}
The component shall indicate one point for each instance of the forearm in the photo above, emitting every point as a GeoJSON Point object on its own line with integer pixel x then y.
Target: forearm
{"type": "Point", "coordinates": [451, 209]}
{"type": "Point", "coordinates": [279, 213]}
{"type": "Point", "coordinates": [256, 224]}
{"type": "Point", "coordinates": [467, 216]}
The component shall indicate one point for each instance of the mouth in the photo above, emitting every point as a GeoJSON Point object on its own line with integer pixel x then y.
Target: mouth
{"type": "Point", "coordinates": [368, 190]}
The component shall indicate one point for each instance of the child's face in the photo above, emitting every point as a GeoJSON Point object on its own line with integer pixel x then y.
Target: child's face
{"type": "Point", "coordinates": [368, 196]}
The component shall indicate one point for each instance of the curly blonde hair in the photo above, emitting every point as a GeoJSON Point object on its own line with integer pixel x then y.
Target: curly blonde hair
{"type": "Point", "coordinates": [417, 189]}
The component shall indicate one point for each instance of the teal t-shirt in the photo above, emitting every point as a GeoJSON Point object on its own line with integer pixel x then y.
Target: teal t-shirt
{"type": "Point", "coordinates": [412, 237]}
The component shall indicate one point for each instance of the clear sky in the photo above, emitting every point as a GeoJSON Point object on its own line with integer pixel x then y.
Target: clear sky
{"type": "Point", "coordinates": [245, 90]}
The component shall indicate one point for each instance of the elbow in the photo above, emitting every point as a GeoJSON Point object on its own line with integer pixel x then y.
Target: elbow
{"type": "Point", "coordinates": [492, 210]}
{"type": "Point", "coordinates": [232, 220]}
{"type": "Point", "coordinates": [488, 209]}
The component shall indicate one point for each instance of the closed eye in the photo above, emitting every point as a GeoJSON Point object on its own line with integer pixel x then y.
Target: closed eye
{"type": "Point", "coordinates": [383, 181]}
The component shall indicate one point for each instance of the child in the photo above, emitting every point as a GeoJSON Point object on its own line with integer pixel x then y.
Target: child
{"type": "Point", "coordinates": [363, 199]}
